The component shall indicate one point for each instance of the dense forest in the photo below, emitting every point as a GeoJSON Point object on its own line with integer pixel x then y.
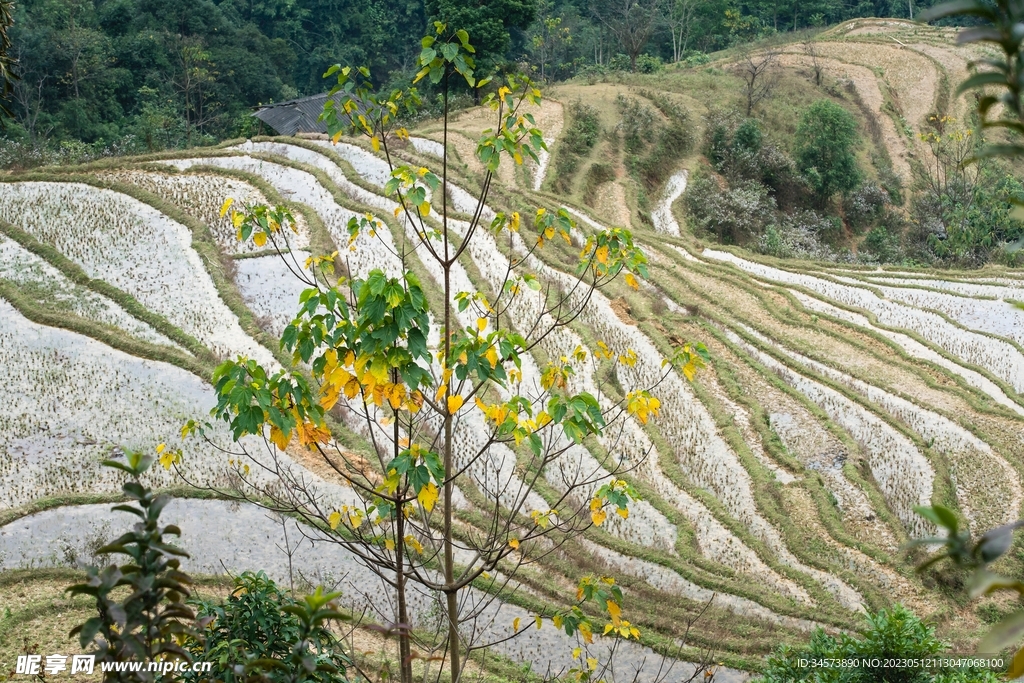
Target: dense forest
{"type": "Point", "coordinates": [122, 76]}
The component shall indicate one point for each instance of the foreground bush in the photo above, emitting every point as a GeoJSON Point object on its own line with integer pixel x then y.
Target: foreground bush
{"type": "Point", "coordinates": [258, 626]}
{"type": "Point", "coordinates": [890, 634]}
{"type": "Point", "coordinates": [258, 634]}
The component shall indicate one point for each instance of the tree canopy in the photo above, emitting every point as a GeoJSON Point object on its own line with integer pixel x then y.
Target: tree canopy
{"type": "Point", "coordinates": [825, 141]}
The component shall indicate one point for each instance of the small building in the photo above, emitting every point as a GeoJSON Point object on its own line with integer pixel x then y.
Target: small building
{"type": "Point", "coordinates": [296, 116]}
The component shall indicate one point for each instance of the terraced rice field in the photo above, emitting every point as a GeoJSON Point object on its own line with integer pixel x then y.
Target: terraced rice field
{"type": "Point", "coordinates": [781, 482]}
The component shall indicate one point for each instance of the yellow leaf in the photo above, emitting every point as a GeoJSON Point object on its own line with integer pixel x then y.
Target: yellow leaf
{"type": "Point", "coordinates": [334, 520]}
{"type": "Point", "coordinates": [375, 143]}
{"type": "Point", "coordinates": [586, 632]}
{"type": "Point", "coordinates": [622, 512]}
{"type": "Point", "coordinates": [481, 324]}
{"type": "Point", "coordinates": [454, 403]}
{"type": "Point", "coordinates": [598, 517]}
{"type": "Point", "coordinates": [591, 663]}
{"type": "Point", "coordinates": [441, 391]}
{"type": "Point", "coordinates": [237, 219]}
{"type": "Point", "coordinates": [425, 209]}
{"type": "Point", "coordinates": [428, 496]}
{"type": "Point", "coordinates": [280, 438]}
{"type": "Point", "coordinates": [1017, 666]}
{"type": "Point", "coordinates": [413, 543]}
{"type": "Point", "coordinates": [492, 356]}
{"type": "Point", "coordinates": [537, 620]}
{"type": "Point", "coordinates": [309, 434]}
{"type": "Point", "coordinates": [515, 624]}
{"type": "Point", "coordinates": [631, 281]}
{"type": "Point", "coordinates": [576, 653]}
{"type": "Point", "coordinates": [602, 254]}
{"type": "Point", "coordinates": [160, 448]}
{"type": "Point", "coordinates": [168, 458]}
{"type": "Point", "coordinates": [225, 206]}
{"type": "Point", "coordinates": [514, 542]}
{"type": "Point", "coordinates": [355, 518]}
{"type": "Point", "coordinates": [615, 612]}
{"type": "Point", "coordinates": [389, 544]}
{"type": "Point", "coordinates": [260, 239]}
{"type": "Point", "coordinates": [690, 370]}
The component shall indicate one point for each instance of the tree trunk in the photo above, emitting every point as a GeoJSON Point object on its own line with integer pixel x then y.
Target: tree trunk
{"type": "Point", "coordinates": [405, 626]}
{"type": "Point", "coordinates": [449, 550]}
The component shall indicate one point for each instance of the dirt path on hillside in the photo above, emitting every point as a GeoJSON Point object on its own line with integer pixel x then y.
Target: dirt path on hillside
{"type": "Point", "coordinates": [550, 118]}
{"type": "Point", "coordinates": [955, 67]}
{"type": "Point", "coordinates": [867, 87]}
{"type": "Point", "coordinates": [912, 76]}
{"type": "Point", "coordinates": [611, 200]}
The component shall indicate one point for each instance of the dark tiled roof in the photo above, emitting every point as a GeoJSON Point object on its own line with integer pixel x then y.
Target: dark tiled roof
{"type": "Point", "coordinates": [296, 116]}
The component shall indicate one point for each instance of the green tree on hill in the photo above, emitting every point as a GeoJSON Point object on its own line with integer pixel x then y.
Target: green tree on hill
{"type": "Point", "coordinates": [825, 141]}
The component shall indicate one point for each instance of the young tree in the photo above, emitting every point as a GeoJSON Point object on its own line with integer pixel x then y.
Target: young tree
{"type": "Point", "coordinates": [149, 619]}
{"type": "Point", "coordinates": [632, 22]}
{"type": "Point", "coordinates": [679, 17]}
{"type": "Point", "coordinates": [549, 34]}
{"type": "Point", "coordinates": [449, 396]}
{"type": "Point", "coordinates": [825, 140]}
{"type": "Point", "coordinates": [195, 82]}
{"type": "Point", "coordinates": [759, 72]}
{"type": "Point", "coordinates": [817, 68]}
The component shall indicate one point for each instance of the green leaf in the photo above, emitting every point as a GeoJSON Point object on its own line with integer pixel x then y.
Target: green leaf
{"type": "Point", "coordinates": [941, 516]}
{"type": "Point", "coordinates": [949, 9]}
{"type": "Point", "coordinates": [984, 582]}
{"type": "Point", "coordinates": [1004, 634]}
{"type": "Point", "coordinates": [980, 81]}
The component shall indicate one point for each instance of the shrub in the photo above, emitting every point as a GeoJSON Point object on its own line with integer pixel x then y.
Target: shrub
{"type": "Point", "coordinates": [256, 624]}
{"type": "Point", "coordinates": [619, 62]}
{"type": "Point", "coordinates": [696, 59]}
{"type": "Point", "coordinates": [801, 235]}
{"type": "Point", "coordinates": [884, 244]}
{"type": "Point", "coordinates": [865, 205]}
{"type": "Point", "coordinates": [825, 140]}
{"type": "Point", "coordinates": [649, 64]}
{"type": "Point", "coordinates": [597, 175]}
{"type": "Point", "coordinates": [733, 215]}
{"type": "Point", "coordinates": [146, 623]}
{"type": "Point", "coordinates": [734, 145]}
{"type": "Point", "coordinates": [643, 132]}
{"type": "Point", "coordinates": [637, 123]}
{"type": "Point", "coordinates": [891, 634]}
{"type": "Point", "coordinates": [142, 616]}
{"type": "Point", "coordinates": [748, 137]}
{"type": "Point", "coordinates": [891, 182]}
{"type": "Point", "coordinates": [579, 138]}
{"type": "Point", "coordinates": [778, 171]}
